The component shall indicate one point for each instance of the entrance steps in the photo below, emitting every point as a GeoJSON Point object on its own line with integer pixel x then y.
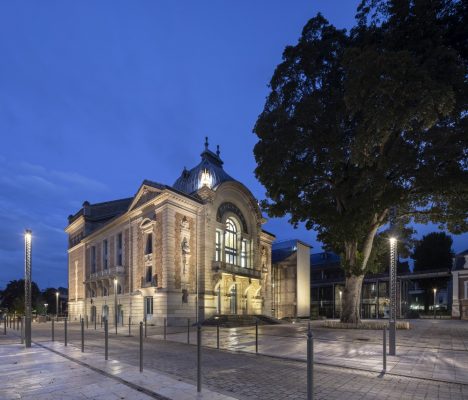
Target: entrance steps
{"type": "Point", "coordinates": [232, 321]}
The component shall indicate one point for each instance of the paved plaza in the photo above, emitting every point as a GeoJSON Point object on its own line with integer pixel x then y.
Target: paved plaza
{"type": "Point", "coordinates": [279, 372]}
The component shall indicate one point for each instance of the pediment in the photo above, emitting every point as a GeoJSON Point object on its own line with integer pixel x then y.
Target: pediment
{"type": "Point", "coordinates": [144, 194]}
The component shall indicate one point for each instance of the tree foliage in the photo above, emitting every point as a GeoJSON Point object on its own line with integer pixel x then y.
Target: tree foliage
{"type": "Point", "coordinates": [13, 296]}
{"type": "Point", "coordinates": [358, 123]}
{"type": "Point", "coordinates": [433, 251]}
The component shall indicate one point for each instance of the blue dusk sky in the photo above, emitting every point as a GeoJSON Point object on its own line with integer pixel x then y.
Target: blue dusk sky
{"type": "Point", "coordinates": [96, 96]}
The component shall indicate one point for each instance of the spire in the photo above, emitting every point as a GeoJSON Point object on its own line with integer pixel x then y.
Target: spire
{"type": "Point", "coordinates": [217, 150]}
{"type": "Point", "coordinates": [206, 142]}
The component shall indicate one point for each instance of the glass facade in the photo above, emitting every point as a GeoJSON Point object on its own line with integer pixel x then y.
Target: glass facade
{"type": "Point", "coordinates": [230, 242]}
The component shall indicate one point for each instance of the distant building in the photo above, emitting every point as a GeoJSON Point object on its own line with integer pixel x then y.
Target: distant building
{"type": "Point", "coordinates": [460, 285]}
{"type": "Point", "coordinates": [291, 279]}
{"type": "Point", "coordinates": [171, 250]}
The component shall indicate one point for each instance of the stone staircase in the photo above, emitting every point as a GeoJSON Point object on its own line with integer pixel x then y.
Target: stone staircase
{"type": "Point", "coordinates": [232, 321]}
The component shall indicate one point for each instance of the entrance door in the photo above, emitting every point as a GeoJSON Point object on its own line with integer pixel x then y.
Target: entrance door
{"type": "Point", "coordinates": [148, 308]}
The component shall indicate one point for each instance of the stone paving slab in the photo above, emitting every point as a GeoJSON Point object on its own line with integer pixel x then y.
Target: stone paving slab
{"type": "Point", "coordinates": [248, 376]}
{"type": "Point", "coordinates": [433, 349]}
{"type": "Point", "coordinates": [39, 373]}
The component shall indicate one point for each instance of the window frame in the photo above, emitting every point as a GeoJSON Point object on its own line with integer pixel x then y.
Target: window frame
{"type": "Point", "coordinates": [119, 249]}
{"type": "Point", "coordinates": [105, 254]}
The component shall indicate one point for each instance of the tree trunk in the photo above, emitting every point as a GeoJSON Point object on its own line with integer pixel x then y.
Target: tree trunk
{"type": "Point", "coordinates": [352, 299]}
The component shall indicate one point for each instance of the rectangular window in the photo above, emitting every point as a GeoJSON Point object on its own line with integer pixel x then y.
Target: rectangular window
{"type": "Point", "coordinates": [230, 247]}
{"type": "Point", "coordinates": [93, 259]}
{"type": "Point", "coordinates": [149, 244]}
{"type": "Point", "coordinates": [148, 306]}
{"type": "Point", "coordinates": [244, 246]}
{"type": "Point", "coordinates": [218, 246]}
{"type": "Point", "coordinates": [149, 274]}
{"type": "Point", "coordinates": [119, 249]}
{"type": "Point", "coordinates": [105, 254]}
{"type": "Point", "coordinates": [466, 289]}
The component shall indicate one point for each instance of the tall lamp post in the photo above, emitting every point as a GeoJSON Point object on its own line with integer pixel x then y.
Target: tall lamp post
{"type": "Point", "coordinates": [57, 305]}
{"type": "Point", "coordinates": [115, 304]}
{"type": "Point", "coordinates": [27, 287]}
{"type": "Point", "coordinates": [341, 302]}
{"type": "Point", "coordinates": [393, 283]}
{"type": "Point", "coordinates": [45, 306]}
{"type": "Point", "coordinates": [435, 292]}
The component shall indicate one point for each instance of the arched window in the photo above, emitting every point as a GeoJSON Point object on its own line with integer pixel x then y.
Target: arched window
{"type": "Point", "coordinates": [230, 242]}
{"type": "Point", "coordinates": [119, 288]}
{"type": "Point", "coordinates": [104, 291]}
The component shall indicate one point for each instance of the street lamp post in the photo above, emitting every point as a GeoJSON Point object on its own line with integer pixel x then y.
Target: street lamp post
{"type": "Point", "coordinates": [341, 302]}
{"type": "Point", "coordinates": [27, 287]}
{"type": "Point", "coordinates": [45, 306]}
{"type": "Point", "coordinates": [115, 304]}
{"type": "Point", "coordinates": [393, 283]}
{"type": "Point", "coordinates": [435, 292]}
{"type": "Point", "coordinates": [57, 305]}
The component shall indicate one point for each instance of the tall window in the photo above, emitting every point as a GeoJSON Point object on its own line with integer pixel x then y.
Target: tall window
{"type": "Point", "coordinates": [230, 242]}
{"type": "Point", "coordinates": [93, 259]}
{"type": "Point", "coordinates": [149, 244]}
{"type": "Point", "coordinates": [218, 246]}
{"type": "Point", "coordinates": [105, 254]}
{"type": "Point", "coordinates": [119, 246]}
{"type": "Point", "coordinates": [149, 273]}
{"type": "Point", "coordinates": [244, 251]}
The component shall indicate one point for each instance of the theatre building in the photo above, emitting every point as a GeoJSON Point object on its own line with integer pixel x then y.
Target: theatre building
{"type": "Point", "coordinates": [171, 250]}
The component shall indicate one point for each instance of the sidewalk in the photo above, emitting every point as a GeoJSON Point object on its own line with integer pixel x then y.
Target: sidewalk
{"type": "Point", "coordinates": [41, 373]}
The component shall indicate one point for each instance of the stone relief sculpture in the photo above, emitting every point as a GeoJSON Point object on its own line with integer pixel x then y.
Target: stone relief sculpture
{"type": "Point", "coordinates": [185, 249]}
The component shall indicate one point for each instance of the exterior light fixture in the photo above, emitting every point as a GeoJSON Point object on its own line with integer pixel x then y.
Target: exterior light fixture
{"type": "Point", "coordinates": [393, 303]}
{"type": "Point", "coordinates": [57, 304]}
{"type": "Point", "coordinates": [27, 287]}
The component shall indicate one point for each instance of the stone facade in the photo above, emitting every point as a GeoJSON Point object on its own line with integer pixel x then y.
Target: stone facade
{"type": "Point", "coordinates": [191, 250]}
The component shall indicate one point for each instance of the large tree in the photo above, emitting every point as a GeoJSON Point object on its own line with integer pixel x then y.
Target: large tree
{"type": "Point", "coordinates": [360, 123]}
{"type": "Point", "coordinates": [433, 251]}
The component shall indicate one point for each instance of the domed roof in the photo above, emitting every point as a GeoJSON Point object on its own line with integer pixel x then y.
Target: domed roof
{"type": "Point", "coordinates": [209, 173]}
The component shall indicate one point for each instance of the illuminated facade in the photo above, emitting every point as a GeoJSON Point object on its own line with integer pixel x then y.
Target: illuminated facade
{"type": "Point", "coordinates": [197, 244]}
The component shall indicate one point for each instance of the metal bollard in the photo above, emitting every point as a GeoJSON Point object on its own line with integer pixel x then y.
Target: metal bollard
{"type": "Point", "coordinates": [65, 330]}
{"type": "Point", "coordinates": [310, 364]}
{"type": "Point", "coordinates": [199, 343]}
{"type": "Point", "coordinates": [129, 326]}
{"type": "Point", "coordinates": [82, 335]}
{"type": "Point", "coordinates": [22, 330]}
{"type": "Point", "coordinates": [165, 328]}
{"type": "Point", "coordinates": [101, 321]}
{"type": "Point", "coordinates": [95, 321]}
{"type": "Point", "coordinates": [384, 352]}
{"type": "Point", "coordinates": [256, 336]}
{"type": "Point", "coordinates": [106, 340]}
{"type": "Point", "coordinates": [188, 330]}
{"type": "Point", "coordinates": [87, 321]}
{"type": "Point", "coordinates": [4, 325]}
{"type": "Point", "coordinates": [217, 335]}
{"type": "Point", "coordinates": [145, 328]}
{"type": "Point", "coordinates": [141, 346]}
{"type": "Point", "coordinates": [53, 331]}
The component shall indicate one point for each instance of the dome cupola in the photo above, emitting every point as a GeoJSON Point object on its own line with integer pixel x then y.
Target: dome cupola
{"type": "Point", "coordinates": [209, 172]}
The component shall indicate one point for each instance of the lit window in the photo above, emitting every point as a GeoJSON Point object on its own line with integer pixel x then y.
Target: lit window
{"type": "Point", "coordinates": [230, 242]}
{"type": "Point", "coordinates": [205, 179]}
{"type": "Point", "coordinates": [244, 251]}
{"type": "Point", "coordinates": [218, 246]}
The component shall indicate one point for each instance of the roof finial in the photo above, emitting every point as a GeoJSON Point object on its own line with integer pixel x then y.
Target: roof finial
{"type": "Point", "coordinates": [206, 142]}
{"type": "Point", "coordinates": [217, 150]}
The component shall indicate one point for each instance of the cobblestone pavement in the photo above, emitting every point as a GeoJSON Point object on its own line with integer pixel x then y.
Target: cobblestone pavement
{"type": "Point", "coordinates": [250, 376]}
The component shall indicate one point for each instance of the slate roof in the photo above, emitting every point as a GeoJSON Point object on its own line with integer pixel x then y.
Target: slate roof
{"type": "Point", "coordinates": [189, 180]}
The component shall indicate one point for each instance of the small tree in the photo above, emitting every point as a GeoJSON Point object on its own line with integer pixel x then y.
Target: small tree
{"type": "Point", "coordinates": [357, 124]}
